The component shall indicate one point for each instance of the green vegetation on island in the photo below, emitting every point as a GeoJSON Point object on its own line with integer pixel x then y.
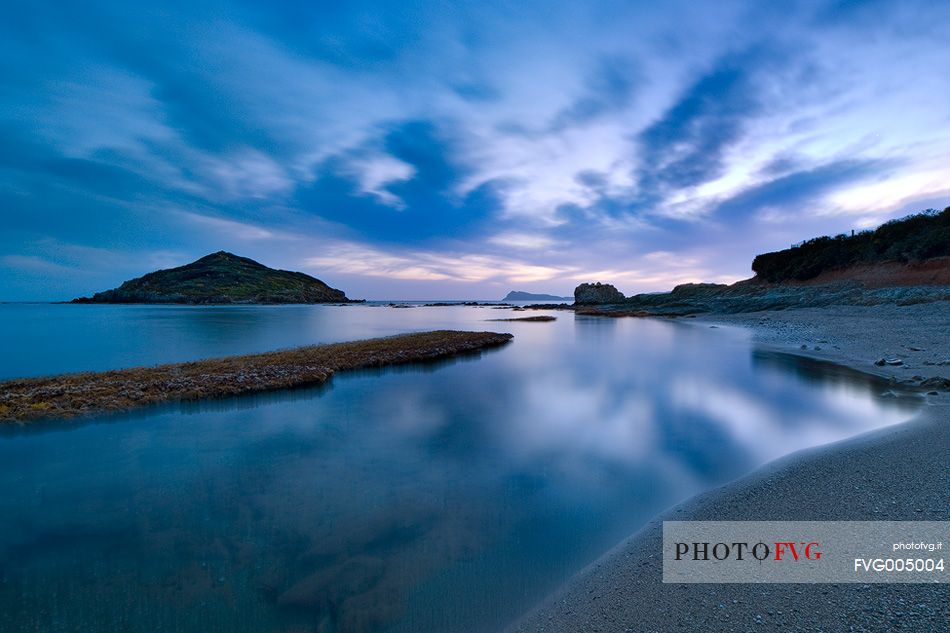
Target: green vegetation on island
{"type": "Point", "coordinates": [912, 239]}
{"type": "Point", "coordinates": [221, 278]}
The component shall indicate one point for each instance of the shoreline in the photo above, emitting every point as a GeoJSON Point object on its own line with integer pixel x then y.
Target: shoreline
{"type": "Point", "coordinates": [71, 395]}
{"type": "Point", "coordinates": [895, 473]}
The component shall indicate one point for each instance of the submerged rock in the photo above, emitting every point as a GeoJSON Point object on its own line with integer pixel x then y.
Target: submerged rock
{"type": "Point", "coordinates": [937, 382]}
{"type": "Point", "coordinates": [888, 361]}
{"type": "Point", "coordinates": [331, 585]}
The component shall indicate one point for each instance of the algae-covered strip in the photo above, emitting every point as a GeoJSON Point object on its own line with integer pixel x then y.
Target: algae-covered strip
{"type": "Point", "coordinates": [70, 395]}
{"type": "Point", "coordinates": [536, 319]}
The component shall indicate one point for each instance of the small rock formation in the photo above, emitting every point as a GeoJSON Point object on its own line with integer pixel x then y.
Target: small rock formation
{"type": "Point", "coordinates": [888, 361]}
{"type": "Point", "coordinates": [591, 294]}
{"type": "Point", "coordinates": [937, 382]}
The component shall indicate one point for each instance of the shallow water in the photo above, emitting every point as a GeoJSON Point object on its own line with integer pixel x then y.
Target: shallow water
{"type": "Point", "coordinates": [435, 498]}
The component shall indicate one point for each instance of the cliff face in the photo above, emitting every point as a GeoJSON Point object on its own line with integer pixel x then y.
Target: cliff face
{"type": "Point", "coordinates": [221, 278]}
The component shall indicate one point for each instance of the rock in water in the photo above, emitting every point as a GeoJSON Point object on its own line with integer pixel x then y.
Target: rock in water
{"type": "Point", "coordinates": [588, 294]}
{"type": "Point", "coordinates": [937, 382]}
{"type": "Point", "coordinates": [221, 278]}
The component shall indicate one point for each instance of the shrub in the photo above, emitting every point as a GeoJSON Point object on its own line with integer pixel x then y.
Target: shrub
{"type": "Point", "coordinates": [910, 239]}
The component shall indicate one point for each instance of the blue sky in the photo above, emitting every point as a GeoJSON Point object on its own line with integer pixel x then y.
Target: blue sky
{"type": "Point", "coordinates": [426, 150]}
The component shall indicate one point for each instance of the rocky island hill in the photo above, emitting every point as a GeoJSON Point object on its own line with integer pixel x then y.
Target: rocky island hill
{"type": "Point", "coordinates": [221, 278]}
{"type": "Point", "coordinates": [518, 295]}
{"type": "Point", "coordinates": [902, 262]}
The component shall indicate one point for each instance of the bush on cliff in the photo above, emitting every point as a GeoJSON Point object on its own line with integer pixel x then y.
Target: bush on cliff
{"type": "Point", "coordinates": [910, 239]}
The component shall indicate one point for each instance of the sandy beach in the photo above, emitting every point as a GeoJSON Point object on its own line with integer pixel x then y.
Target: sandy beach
{"type": "Point", "coordinates": [897, 473]}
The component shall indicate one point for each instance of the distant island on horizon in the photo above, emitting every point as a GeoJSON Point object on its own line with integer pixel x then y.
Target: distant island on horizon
{"type": "Point", "coordinates": [221, 278]}
{"type": "Point", "coordinates": [517, 295]}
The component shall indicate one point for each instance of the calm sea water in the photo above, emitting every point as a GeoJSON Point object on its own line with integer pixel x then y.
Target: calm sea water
{"type": "Point", "coordinates": [438, 498]}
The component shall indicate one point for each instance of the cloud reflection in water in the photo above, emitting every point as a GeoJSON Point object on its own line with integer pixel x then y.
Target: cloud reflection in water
{"type": "Point", "coordinates": [399, 500]}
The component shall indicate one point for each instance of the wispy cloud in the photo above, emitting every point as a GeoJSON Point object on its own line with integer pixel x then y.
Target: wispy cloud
{"type": "Point", "coordinates": [33, 263]}
{"type": "Point", "coordinates": [233, 228]}
{"type": "Point", "coordinates": [356, 259]}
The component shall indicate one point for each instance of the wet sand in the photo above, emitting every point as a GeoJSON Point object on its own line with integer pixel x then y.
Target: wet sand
{"type": "Point", "coordinates": [897, 473]}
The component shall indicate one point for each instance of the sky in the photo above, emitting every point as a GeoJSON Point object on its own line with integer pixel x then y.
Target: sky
{"type": "Point", "coordinates": [438, 150]}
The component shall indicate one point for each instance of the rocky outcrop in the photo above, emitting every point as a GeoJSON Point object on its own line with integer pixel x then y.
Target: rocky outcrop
{"type": "Point", "coordinates": [598, 293]}
{"type": "Point", "coordinates": [745, 296]}
{"type": "Point", "coordinates": [693, 290]}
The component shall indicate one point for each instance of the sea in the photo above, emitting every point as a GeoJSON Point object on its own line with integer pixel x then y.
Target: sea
{"type": "Point", "coordinates": [429, 498]}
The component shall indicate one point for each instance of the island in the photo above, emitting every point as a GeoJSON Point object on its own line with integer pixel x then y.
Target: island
{"type": "Point", "coordinates": [517, 295]}
{"type": "Point", "coordinates": [221, 278]}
